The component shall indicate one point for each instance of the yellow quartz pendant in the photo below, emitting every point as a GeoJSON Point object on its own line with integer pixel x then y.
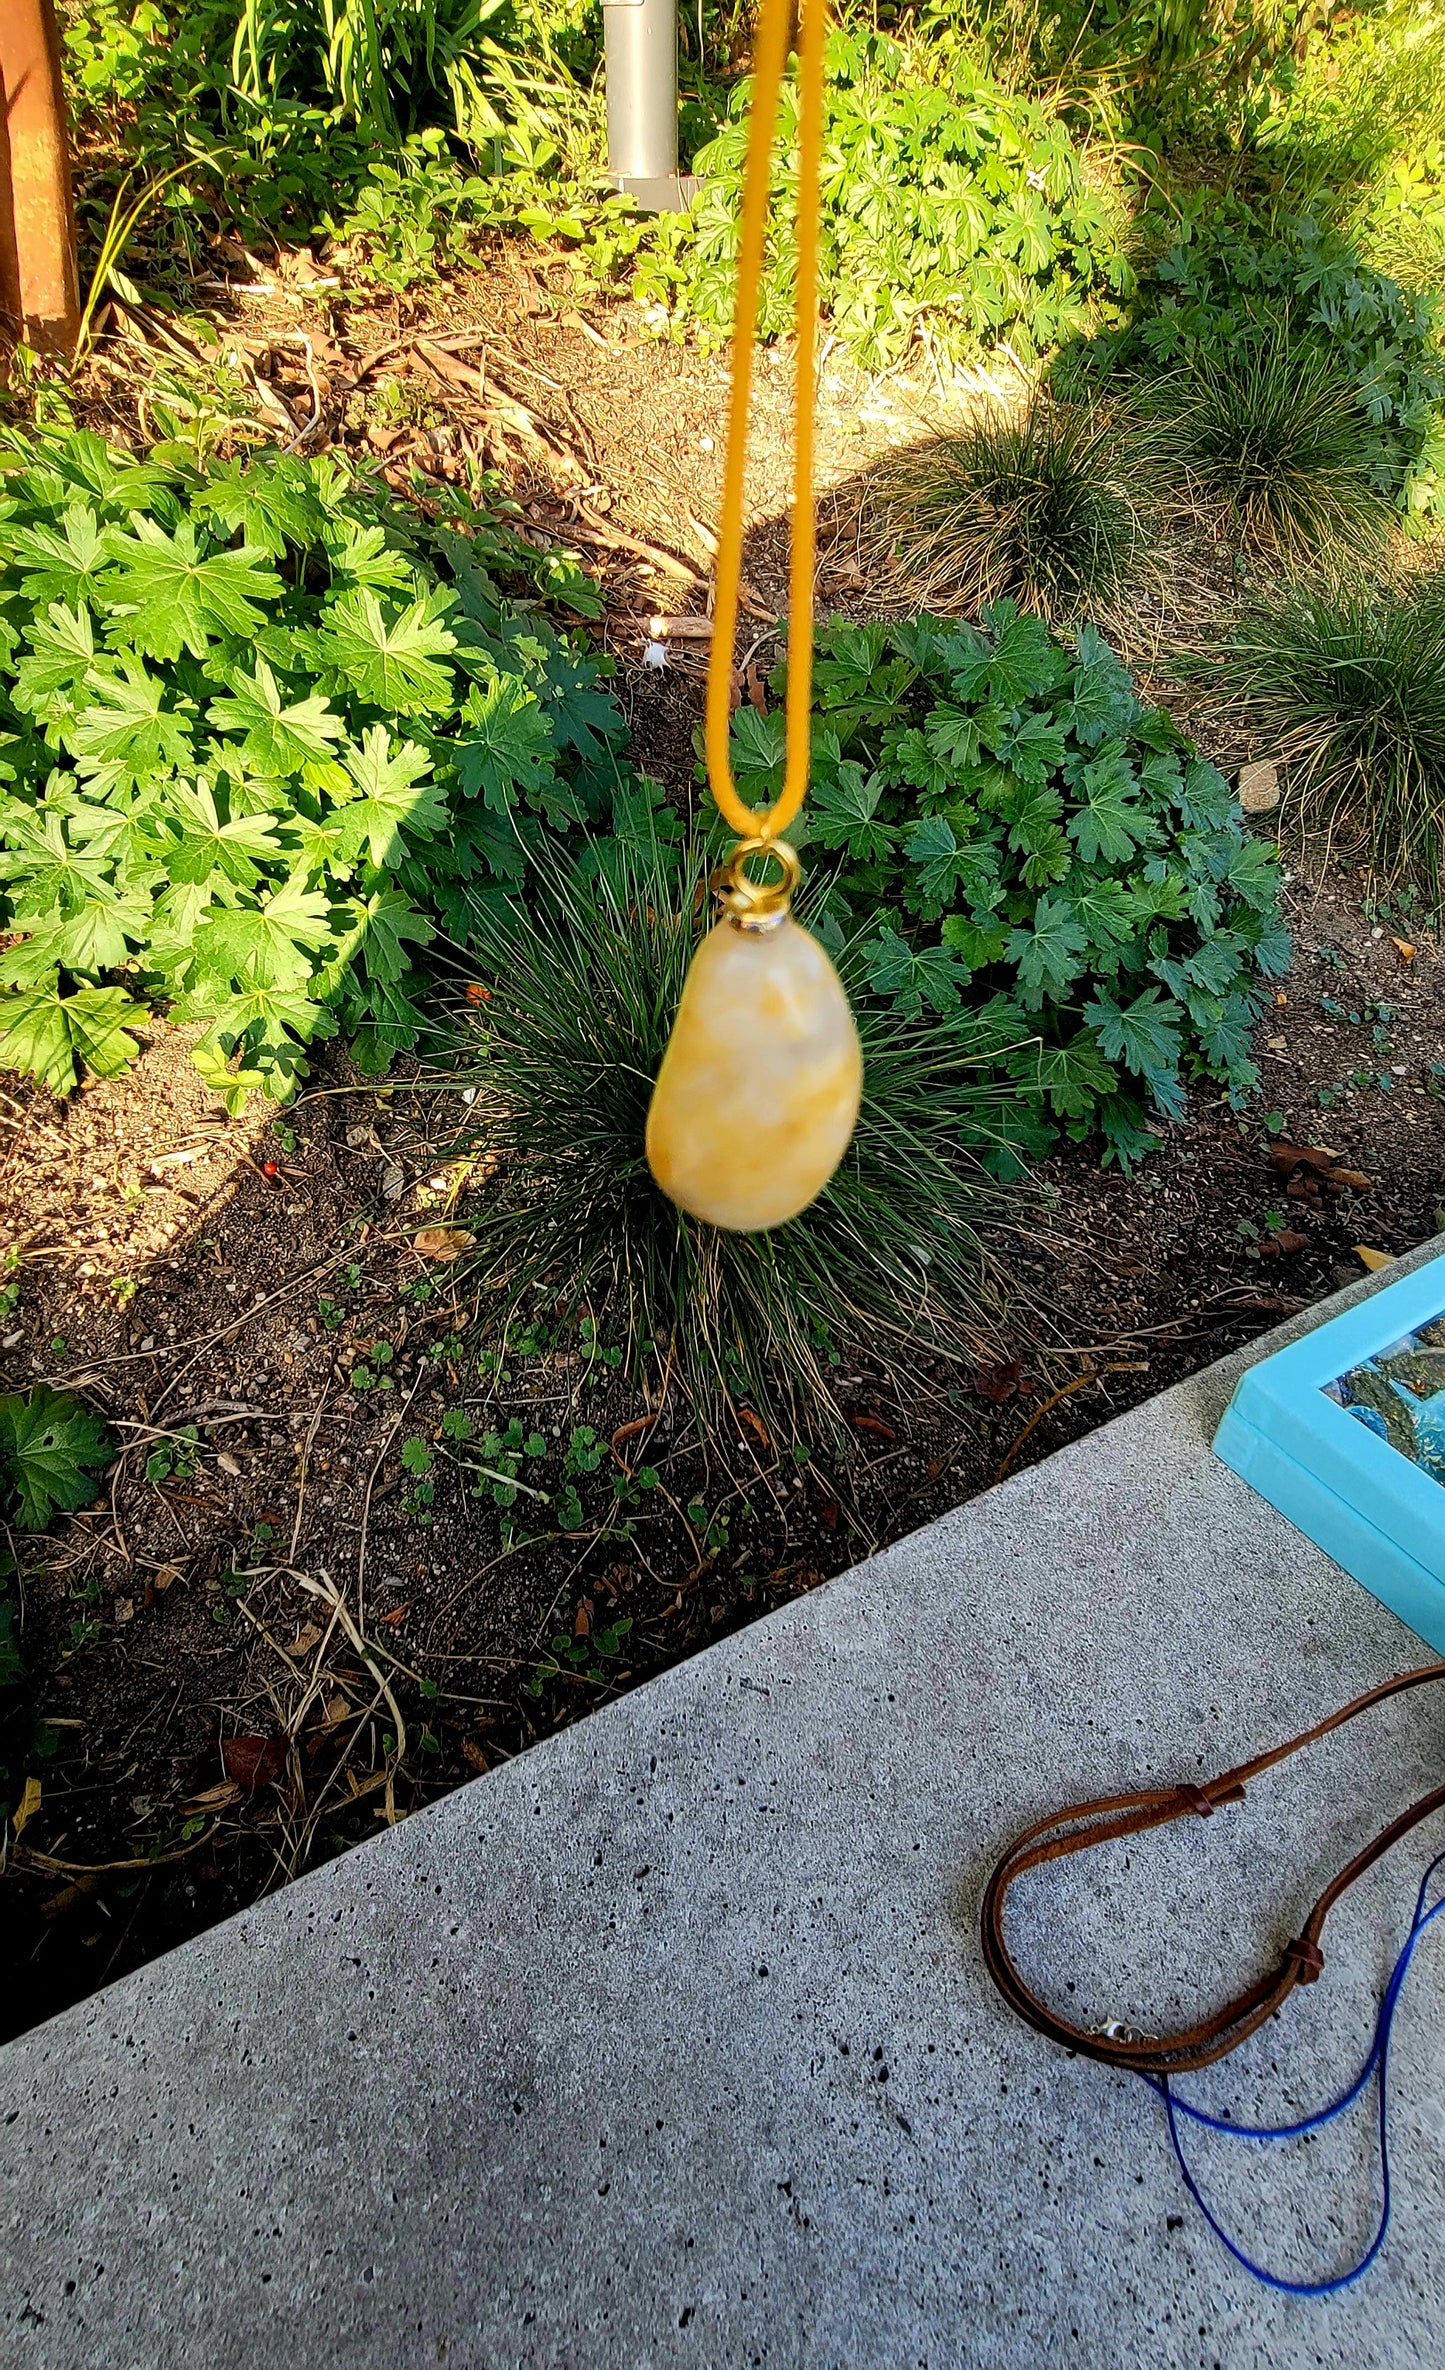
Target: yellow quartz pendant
{"type": "Point", "coordinates": [759, 1088]}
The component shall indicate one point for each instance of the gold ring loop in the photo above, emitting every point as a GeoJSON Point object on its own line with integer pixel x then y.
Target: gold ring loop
{"type": "Point", "coordinates": [758, 905]}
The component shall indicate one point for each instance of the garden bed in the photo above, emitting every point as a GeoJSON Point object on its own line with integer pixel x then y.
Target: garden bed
{"type": "Point", "coordinates": [174, 1635]}
{"type": "Point", "coordinates": [312, 1457]}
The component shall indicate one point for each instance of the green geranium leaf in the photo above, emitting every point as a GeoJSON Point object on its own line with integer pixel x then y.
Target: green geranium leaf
{"type": "Point", "coordinates": [397, 800]}
{"type": "Point", "coordinates": [1049, 952]}
{"type": "Point", "coordinates": [391, 662]}
{"type": "Point", "coordinates": [280, 736]}
{"type": "Point", "coordinates": [54, 1036]}
{"type": "Point", "coordinates": [268, 946]}
{"type": "Point", "coordinates": [1146, 1035]}
{"type": "Point", "coordinates": [505, 750]}
{"type": "Point", "coordinates": [168, 593]}
{"type": "Point", "coordinates": [51, 1449]}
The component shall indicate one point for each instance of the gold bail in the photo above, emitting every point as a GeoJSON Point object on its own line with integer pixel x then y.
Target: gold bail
{"type": "Point", "coordinates": [758, 905]}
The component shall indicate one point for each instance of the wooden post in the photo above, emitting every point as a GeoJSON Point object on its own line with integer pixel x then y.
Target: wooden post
{"type": "Point", "coordinates": [38, 289]}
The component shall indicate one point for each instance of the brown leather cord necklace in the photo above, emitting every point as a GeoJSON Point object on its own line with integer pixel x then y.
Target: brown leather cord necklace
{"type": "Point", "coordinates": [1157, 2057]}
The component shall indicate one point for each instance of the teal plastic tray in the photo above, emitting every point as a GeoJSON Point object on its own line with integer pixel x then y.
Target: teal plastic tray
{"type": "Point", "coordinates": [1344, 1432]}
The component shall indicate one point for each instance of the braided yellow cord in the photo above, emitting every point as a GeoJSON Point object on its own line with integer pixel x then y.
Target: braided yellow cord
{"type": "Point", "coordinates": [770, 61]}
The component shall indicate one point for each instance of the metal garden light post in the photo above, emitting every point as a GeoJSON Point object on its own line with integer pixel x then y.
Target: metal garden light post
{"type": "Point", "coordinates": [640, 50]}
{"type": "Point", "coordinates": [38, 293]}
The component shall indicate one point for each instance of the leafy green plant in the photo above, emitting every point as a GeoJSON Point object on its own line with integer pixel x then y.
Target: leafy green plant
{"type": "Point", "coordinates": [1344, 677]}
{"type": "Point", "coordinates": [1033, 504]}
{"type": "Point", "coordinates": [263, 727]}
{"type": "Point", "coordinates": [500, 1464]}
{"type": "Point", "coordinates": [408, 218]}
{"type": "Point", "coordinates": [418, 1461]}
{"type": "Point", "coordinates": [1232, 278]}
{"type": "Point", "coordinates": [342, 116]}
{"type": "Point", "coordinates": [585, 977]}
{"type": "Point", "coordinates": [1017, 839]}
{"type": "Point", "coordinates": [582, 1657]}
{"type": "Point", "coordinates": [1267, 433]}
{"type": "Point", "coordinates": [584, 1451]}
{"type": "Point", "coordinates": [175, 1457]}
{"type": "Point", "coordinates": [951, 209]}
{"type": "Point", "coordinates": [51, 1449]}
{"type": "Point", "coordinates": [387, 65]}
{"type": "Point", "coordinates": [372, 1376]}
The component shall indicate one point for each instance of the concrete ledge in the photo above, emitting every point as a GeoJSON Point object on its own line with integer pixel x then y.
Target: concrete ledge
{"type": "Point", "coordinates": [670, 2042]}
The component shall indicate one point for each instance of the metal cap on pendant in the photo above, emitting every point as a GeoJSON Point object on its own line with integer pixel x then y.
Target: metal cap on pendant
{"type": "Point", "coordinates": [758, 905]}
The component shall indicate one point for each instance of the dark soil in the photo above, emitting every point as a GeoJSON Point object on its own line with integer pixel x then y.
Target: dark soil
{"type": "Point", "coordinates": [248, 1303]}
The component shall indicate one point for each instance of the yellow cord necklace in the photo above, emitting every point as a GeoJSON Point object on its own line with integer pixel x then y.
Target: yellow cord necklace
{"type": "Point", "coordinates": [758, 1093]}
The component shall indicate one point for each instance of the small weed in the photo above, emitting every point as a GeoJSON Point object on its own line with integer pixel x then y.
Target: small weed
{"type": "Point", "coordinates": [503, 1454]}
{"type": "Point", "coordinates": [584, 1451]}
{"type": "Point", "coordinates": [330, 1312]}
{"type": "Point", "coordinates": [125, 1289]}
{"type": "Point", "coordinates": [712, 1530]}
{"type": "Point", "coordinates": [372, 1375]}
{"type": "Point", "coordinates": [627, 1488]}
{"type": "Point", "coordinates": [84, 1628]}
{"type": "Point", "coordinates": [418, 1460]}
{"type": "Point", "coordinates": [575, 1656]}
{"type": "Point", "coordinates": [176, 1456]}
{"type": "Point", "coordinates": [594, 1348]}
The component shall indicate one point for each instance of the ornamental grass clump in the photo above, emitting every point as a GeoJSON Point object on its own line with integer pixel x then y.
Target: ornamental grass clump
{"type": "Point", "coordinates": [1344, 678]}
{"type": "Point", "coordinates": [582, 984]}
{"type": "Point", "coordinates": [1268, 434]}
{"type": "Point", "coordinates": [1036, 505]}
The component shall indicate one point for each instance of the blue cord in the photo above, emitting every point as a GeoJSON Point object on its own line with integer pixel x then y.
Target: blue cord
{"type": "Point", "coordinates": [1375, 2064]}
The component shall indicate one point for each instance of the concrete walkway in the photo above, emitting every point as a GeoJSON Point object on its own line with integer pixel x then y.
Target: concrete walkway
{"type": "Point", "coordinates": [669, 2043]}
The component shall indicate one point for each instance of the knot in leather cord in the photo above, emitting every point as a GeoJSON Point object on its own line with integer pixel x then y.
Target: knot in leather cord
{"type": "Point", "coordinates": [1306, 1958]}
{"type": "Point", "coordinates": [1082, 1825]}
